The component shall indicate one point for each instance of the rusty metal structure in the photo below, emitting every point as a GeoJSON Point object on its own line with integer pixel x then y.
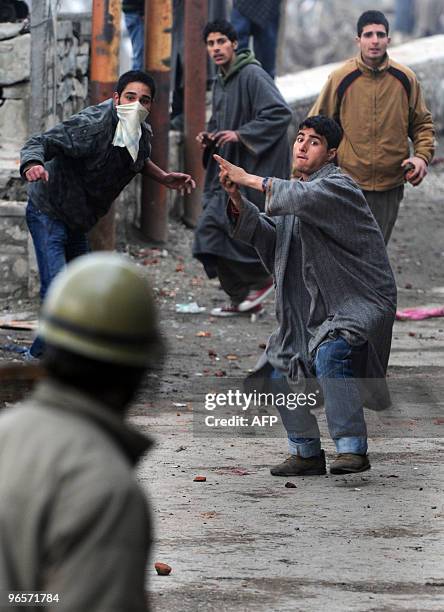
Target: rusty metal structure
{"type": "Point", "coordinates": [158, 25]}
{"type": "Point", "coordinates": [105, 45]}
{"type": "Point", "coordinates": [196, 16]}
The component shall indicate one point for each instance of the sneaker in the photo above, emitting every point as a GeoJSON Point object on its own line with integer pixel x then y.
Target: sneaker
{"type": "Point", "coordinates": [295, 465]}
{"type": "Point", "coordinates": [255, 298]}
{"type": "Point", "coordinates": [349, 463]}
{"type": "Point", "coordinates": [233, 311]}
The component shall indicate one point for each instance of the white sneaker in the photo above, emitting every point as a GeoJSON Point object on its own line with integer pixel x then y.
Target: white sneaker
{"type": "Point", "coordinates": [234, 311]}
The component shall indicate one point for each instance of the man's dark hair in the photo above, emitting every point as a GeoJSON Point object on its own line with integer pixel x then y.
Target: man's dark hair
{"type": "Point", "coordinates": [87, 374]}
{"type": "Point", "coordinates": [324, 126]}
{"type": "Point", "coordinates": [136, 76]}
{"type": "Point", "coordinates": [370, 17]}
{"type": "Point", "coordinates": [222, 26]}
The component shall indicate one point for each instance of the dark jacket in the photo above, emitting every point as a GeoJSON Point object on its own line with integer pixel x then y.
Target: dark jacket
{"type": "Point", "coordinates": [133, 6]}
{"type": "Point", "coordinates": [86, 172]}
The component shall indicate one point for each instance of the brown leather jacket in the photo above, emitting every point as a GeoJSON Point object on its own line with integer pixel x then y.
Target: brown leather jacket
{"type": "Point", "coordinates": [379, 110]}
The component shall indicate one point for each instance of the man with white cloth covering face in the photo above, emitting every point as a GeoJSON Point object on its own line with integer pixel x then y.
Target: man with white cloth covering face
{"type": "Point", "coordinates": [335, 297]}
{"type": "Point", "coordinates": [76, 169]}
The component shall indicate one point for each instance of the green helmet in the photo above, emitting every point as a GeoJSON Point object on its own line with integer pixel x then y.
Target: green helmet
{"type": "Point", "coordinates": [101, 307]}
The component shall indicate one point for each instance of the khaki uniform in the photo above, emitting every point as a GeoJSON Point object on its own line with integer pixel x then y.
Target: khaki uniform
{"type": "Point", "coordinates": [73, 519]}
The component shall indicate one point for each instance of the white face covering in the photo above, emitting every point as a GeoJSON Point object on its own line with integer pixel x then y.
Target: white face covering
{"type": "Point", "coordinates": [129, 130]}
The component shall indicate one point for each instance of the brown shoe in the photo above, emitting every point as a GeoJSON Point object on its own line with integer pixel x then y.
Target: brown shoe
{"type": "Point", "coordinates": [349, 463]}
{"type": "Point", "coordinates": [295, 465]}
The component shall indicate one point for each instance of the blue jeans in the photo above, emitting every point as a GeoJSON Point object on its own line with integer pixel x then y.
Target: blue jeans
{"type": "Point", "coordinates": [135, 25]}
{"type": "Point", "coordinates": [404, 16]}
{"type": "Point", "coordinates": [264, 39]}
{"type": "Point", "coordinates": [55, 245]}
{"type": "Point", "coordinates": [343, 405]}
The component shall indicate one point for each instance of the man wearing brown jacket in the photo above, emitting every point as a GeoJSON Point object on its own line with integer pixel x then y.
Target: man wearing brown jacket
{"type": "Point", "coordinates": [379, 104]}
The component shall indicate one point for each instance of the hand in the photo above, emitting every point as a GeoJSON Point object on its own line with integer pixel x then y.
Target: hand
{"type": "Point", "coordinates": [225, 136]}
{"type": "Point", "coordinates": [417, 173]}
{"type": "Point", "coordinates": [231, 188]}
{"type": "Point", "coordinates": [234, 173]}
{"type": "Point", "coordinates": [204, 139]}
{"type": "Point", "coordinates": [181, 182]}
{"type": "Point", "coordinates": [36, 173]}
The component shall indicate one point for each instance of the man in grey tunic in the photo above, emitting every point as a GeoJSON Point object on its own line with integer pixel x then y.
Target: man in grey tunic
{"type": "Point", "coordinates": [249, 127]}
{"type": "Point", "coordinates": [335, 295]}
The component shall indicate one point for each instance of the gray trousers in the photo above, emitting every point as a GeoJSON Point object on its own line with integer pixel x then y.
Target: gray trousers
{"type": "Point", "coordinates": [385, 206]}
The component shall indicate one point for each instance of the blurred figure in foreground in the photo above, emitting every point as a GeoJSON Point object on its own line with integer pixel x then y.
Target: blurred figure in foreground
{"type": "Point", "coordinates": [73, 520]}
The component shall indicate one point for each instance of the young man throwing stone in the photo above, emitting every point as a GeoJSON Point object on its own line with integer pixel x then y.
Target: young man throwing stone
{"type": "Point", "coordinates": [335, 296]}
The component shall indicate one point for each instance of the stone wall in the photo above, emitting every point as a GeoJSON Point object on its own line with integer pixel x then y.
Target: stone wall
{"type": "Point", "coordinates": [73, 43]}
{"type": "Point", "coordinates": [18, 269]}
{"type": "Point", "coordinates": [71, 73]}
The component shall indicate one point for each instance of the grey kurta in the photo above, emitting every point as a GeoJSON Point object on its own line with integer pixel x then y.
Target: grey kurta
{"type": "Point", "coordinates": [248, 102]}
{"type": "Point", "coordinates": [331, 271]}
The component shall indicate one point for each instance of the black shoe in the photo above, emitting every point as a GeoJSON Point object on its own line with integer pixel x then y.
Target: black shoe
{"type": "Point", "coordinates": [295, 465]}
{"type": "Point", "coordinates": [349, 463]}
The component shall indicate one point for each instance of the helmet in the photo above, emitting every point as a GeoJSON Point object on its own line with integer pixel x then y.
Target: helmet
{"type": "Point", "coordinates": [101, 307]}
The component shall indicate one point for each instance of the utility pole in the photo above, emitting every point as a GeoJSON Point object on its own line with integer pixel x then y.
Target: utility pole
{"type": "Point", "coordinates": [105, 44]}
{"type": "Point", "coordinates": [43, 66]}
{"type": "Point", "coordinates": [195, 63]}
{"type": "Point", "coordinates": [158, 24]}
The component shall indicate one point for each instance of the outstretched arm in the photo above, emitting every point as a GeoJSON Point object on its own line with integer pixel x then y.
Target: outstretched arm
{"type": "Point", "coordinates": [238, 175]}
{"type": "Point", "coordinates": [249, 225]}
{"type": "Point", "coordinates": [173, 180]}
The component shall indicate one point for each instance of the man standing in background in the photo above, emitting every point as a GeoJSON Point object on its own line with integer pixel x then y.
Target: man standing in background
{"type": "Point", "coordinates": [259, 19]}
{"type": "Point", "coordinates": [380, 106]}
{"type": "Point", "coordinates": [248, 127]}
{"type": "Point", "coordinates": [133, 12]}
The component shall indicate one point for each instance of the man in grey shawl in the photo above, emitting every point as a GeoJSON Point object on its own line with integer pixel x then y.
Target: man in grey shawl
{"type": "Point", "coordinates": [249, 127]}
{"type": "Point", "coordinates": [335, 296]}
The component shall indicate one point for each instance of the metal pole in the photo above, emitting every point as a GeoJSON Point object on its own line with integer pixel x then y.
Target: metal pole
{"type": "Point", "coordinates": [105, 43]}
{"type": "Point", "coordinates": [195, 63]}
{"type": "Point", "coordinates": [158, 24]}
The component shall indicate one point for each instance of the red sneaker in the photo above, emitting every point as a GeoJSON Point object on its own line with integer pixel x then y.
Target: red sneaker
{"type": "Point", "coordinates": [255, 298]}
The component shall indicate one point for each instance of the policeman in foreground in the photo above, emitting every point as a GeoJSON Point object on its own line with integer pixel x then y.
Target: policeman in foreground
{"type": "Point", "coordinates": [74, 523]}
